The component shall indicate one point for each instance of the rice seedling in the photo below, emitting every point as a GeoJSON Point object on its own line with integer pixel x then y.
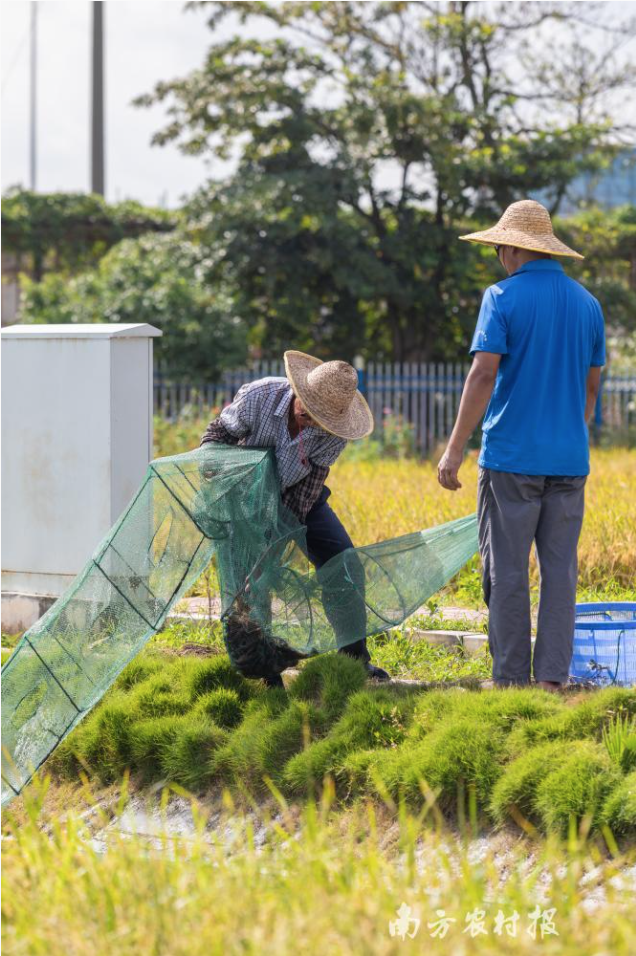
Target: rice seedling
{"type": "Point", "coordinates": [216, 672]}
{"type": "Point", "coordinates": [186, 758]}
{"type": "Point", "coordinates": [587, 719]}
{"type": "Point", "coordinates": [368, 721]}
{"type": "Point", "coordinates": [514, 793]}
{"type": "Point", "coordinates": [199, 724]}
{"type": "Point", "coordinates": [464, 753]}
{"type": "Point", "coordinates": [619, 737]}
{"type": "Point", "coordinates": [148, 742]}
{"type": "Point", "coordinates": [223, 706]}
{"type": "Point", "coordinates": [259, 749]}
{"type": "Point", "coordinates": [577, 787]}
{"type": "Point", "coordinates": [329, 681]}
{"type": "Point", "coordinates": [619, 810]}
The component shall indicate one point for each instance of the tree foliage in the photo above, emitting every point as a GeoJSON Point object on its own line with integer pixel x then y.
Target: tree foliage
{"type": "Point", "coordinates": [366, 134]}
{"type": "Point", "coordinates": [367, 137]}
{"type": "Point", "coordinates": [608, 240]}
{"type": "Point", "coordinates": [158, 279]}
{"type": "Point", "coordinates": [71, 231]}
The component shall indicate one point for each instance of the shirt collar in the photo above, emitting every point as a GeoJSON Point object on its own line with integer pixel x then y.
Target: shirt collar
{"type": "Point", "coordinates": [539, 265]}
{"type": "Point", "coordinates": [283, 406]}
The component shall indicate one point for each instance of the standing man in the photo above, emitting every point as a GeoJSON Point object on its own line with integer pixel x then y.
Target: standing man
{"type": "Point", "coordinates": [538, 350]}
{"type": "Point", "coordinates": [307, 418]}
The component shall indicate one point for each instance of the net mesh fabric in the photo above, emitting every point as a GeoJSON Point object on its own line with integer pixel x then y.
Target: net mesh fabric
{"type": "Point", "coordinates": [222, 503]}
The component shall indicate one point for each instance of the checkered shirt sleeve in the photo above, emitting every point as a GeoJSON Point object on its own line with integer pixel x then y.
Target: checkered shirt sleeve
{"type": "Point", "coordinates": [216, 431]}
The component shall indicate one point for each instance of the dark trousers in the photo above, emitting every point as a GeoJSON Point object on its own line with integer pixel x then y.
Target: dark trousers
{"type": "Point", "coordinates": [326, 537]}
{"type": "Point", "coordinates": [256, 654]}
{"type": "Point", "coordinates": [515, 511]}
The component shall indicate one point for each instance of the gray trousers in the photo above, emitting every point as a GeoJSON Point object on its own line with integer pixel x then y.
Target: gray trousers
{"type": "Point", "coordinates": [513, 512]}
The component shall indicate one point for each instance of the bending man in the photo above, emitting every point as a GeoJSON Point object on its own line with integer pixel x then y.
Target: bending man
{"type": "Point", "coordinates": [307, 417]}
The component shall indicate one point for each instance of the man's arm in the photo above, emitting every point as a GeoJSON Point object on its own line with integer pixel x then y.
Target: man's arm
{"type": "Point", "coordinates": [475, 397]}
{"type": "Point", "coordinates": [593, 388]}
{"type": "Point", "coordinates": [216, 431]}
{"type": "Point", "coordinates": [237, 418]}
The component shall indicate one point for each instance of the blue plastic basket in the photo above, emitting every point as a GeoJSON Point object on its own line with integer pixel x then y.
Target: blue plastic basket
{"type": "Point", "coordinates": [605, 643]}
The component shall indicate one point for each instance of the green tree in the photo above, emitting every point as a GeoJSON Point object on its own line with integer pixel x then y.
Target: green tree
{"type": "Point", "coordinates": [367, 133]}
{"type": "Point", "coordinates": [609, 267]}
{"type": "Point", "coordinates": [158, 279]}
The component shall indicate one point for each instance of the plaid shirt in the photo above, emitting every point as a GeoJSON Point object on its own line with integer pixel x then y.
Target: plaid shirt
{"type": "Point", "coordinates": [259, 416]}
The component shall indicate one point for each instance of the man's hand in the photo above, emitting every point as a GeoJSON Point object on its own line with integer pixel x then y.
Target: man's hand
{"type": "Point", "coordinates": [448, 467]}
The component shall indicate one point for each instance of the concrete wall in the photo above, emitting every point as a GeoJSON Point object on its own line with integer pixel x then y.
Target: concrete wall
{"type": "Point", "coordinates": [76, 441]}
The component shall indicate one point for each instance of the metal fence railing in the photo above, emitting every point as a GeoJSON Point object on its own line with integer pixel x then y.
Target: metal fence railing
{"type": "Point", "coordinates": [425, 395]}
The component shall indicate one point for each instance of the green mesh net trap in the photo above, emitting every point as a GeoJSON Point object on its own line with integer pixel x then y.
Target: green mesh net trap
{"type": "Point", "coordinates": [220, 503]}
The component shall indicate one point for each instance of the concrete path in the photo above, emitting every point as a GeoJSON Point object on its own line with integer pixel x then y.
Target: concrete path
{"type": "Point", "coordinates": [200, 608]}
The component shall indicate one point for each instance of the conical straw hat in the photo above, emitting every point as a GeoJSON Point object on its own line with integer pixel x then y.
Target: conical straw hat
{"type": "Point", "coordinates": [526, 225]}
{"type": "Point", "coordinates": [329, 392]}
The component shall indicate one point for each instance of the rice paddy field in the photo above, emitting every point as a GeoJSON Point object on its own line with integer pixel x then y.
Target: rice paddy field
{"type": "Point", "coordinates": [194, 811]}
{"type": "Point", "coordinates": [385, 498]}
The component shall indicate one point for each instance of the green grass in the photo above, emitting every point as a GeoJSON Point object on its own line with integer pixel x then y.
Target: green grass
{"type": "Point", "coordinates": [403, 657]}
{"type": "Point", "coordinates": [396, 651]}
{"type": "Point", "coordinates": [177, 633]}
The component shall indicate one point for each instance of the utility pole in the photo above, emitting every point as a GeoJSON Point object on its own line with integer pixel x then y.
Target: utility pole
{"type": "Point", "coordinates": [33, 98]}
{"type": "Point", "coordinates": [97, 111]}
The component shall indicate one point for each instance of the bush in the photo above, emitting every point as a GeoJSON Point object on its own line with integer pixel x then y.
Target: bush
{"type": "Point", "coordinates": [155, 278]}
{"type": "Point", "coordinates": [577, 788]}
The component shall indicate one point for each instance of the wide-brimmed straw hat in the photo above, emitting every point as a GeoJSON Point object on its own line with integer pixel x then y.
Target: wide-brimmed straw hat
{"type": "Point", "coordinates": [526, 225]}
{"type": "Point", "coordinates": [329, 392]}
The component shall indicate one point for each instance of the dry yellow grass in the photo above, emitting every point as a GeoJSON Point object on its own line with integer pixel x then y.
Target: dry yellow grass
{"type": "Point", "coordinates": [383, 499]}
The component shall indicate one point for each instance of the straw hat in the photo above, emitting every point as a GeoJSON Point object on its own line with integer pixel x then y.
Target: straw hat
{"type": "Point", "coordinates": [526, 225]}
{"type": "Point", "coordinates": [329, 392]}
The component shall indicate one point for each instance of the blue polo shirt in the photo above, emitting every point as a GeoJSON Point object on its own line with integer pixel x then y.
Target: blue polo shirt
{"type": "Point", "coordinates": [549, 331]}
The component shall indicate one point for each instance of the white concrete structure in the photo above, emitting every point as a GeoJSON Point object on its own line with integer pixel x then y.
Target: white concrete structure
{"type": "Point", "coordinates": [76, 441]}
